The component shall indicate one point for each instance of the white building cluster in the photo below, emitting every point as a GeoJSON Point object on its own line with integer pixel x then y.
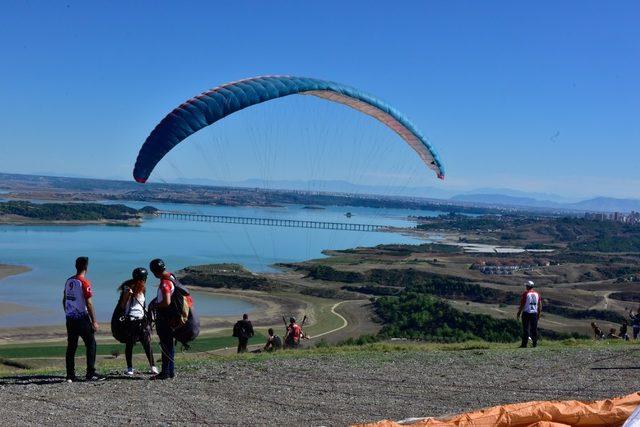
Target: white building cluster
{"type": "Point", "coordinates": [508, 267]}
{"type": "Point", "coordinates": [627, 218]}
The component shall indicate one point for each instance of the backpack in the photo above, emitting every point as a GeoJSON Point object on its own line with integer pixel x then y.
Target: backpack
{"type": "Point", "coordinates": [189, 331]}
{"type": "Point", "coordinates": [239, 330]}
{"type": "Point", "coordinates": [180, 314]}
{"type": "Point", "coordinates": [119, 329]}
{"type": "Point", "coordinates": [277, 342]}
{"type": "Point", "coordinates": [181, 301]}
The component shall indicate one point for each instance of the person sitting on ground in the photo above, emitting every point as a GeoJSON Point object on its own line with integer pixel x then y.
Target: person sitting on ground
{"type": "Point", "coordinates": [294, 334]}
{"type": "Point", "coordinates": [635, 323]}
{"type": "Point", "coordinates": [77, 300]}
{"type": "Point", "coordinates": [273, 341]}
{"type": "Point", "coordinates": [530, 309]}
{"type": "Point", "coordinates": [597, 332]}
{"type": "Point", "coordinates": [132, 301]}
{"type": "Point", "coordinates": [612, 335]}
{"type": "Point", "coordinates": [623, 331]}
{"type": "Point", "coordinates": [243, 330]}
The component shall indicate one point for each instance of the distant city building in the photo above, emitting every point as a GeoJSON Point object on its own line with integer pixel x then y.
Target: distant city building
{"type": "Point", "coordinates": [630, 218]}
{"type": "Point", "coordinates": [508, 267]}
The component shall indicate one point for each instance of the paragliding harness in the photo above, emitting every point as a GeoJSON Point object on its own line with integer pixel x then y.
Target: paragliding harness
{"type": "Point", "coordinates": [180, 315]}
{"type": "Point", "coordinates": [121, 328]}
{"type": "Point", "coordinates": [289, 340]}
{"type": "Point", "coordinates": [277, 342]}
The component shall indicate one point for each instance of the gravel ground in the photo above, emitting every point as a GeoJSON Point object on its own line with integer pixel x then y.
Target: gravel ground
{"type": "Point", "coordinates": [326, 389]}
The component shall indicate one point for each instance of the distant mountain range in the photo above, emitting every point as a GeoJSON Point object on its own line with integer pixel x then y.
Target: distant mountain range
{"type": "Point", "coordinates": [520, 194]}
{"type": "Point", "coordinates": [487, 196]}
{"type": "Point", "coordinates": [503, 197]}
{"type": "Point", "coordinates": [599, 204]}
{"type": "Point", "coordinates": [333, 186]}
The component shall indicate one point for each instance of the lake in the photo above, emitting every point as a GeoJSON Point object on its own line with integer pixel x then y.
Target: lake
{"type": "Point", "coordinates": [114, 251]}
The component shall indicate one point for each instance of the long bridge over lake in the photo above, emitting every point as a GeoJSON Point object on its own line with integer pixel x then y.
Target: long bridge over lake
{"type": "Point", "coordinates": [270, 222]}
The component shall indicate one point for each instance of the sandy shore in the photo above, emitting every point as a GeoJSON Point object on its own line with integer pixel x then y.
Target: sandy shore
{"type": "Point", "coordinates": [8, 308]}
{"type": "Point", "coordinates": [269, 307]}
{"type": "Point", "coordinates": [6, 271]}
{"type": "Point", "coordinates": [12, 270]}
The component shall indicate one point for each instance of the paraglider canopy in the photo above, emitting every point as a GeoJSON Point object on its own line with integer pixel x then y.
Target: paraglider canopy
{"type": "Point", "coordinates": [215, 104]}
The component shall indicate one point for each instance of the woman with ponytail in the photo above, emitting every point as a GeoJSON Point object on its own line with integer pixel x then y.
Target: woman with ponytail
{"type": "Point", "coordinates": [132, 301]}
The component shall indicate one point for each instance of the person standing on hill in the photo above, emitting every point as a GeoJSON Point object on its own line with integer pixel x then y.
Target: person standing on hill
{"type": "Point", "coordinates": [243, 330]}
{"type": "Point", "coordinates": [81, 321]}
{"type": "Point", "coordinates": [530, 309]}
{"type": "Point", "coordinates": [161, 305]}
{"type": "Point", "coordinates": [623, 330]}
{"type": "Point", "coordinates": [635, 323]}
{"type": "Point", "coordinates": [132, 302]}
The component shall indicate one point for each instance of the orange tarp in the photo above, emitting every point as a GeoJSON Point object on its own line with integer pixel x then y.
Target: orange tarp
{"type": "Point", "coordinates": [610, 412]}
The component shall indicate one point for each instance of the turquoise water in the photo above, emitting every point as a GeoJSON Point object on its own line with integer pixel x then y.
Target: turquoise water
{"type": "Point", "coordinates": [114, 251]}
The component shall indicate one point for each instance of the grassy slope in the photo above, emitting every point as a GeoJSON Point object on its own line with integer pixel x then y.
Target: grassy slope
{"type": "Point", "coordinates": [57, 350]}
{"type": "Point", "coordinates": [323, 319]}
{"type": "Point", "coordinates": [200, 356]}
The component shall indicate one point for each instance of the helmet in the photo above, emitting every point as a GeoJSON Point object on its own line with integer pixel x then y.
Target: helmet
{"type": "Point", "coordinates": [156, 265]}
{"type": "Point", "coordinates": [529, 284]}
{"type": "Point", "coordinates": [292, 319]}
{"type": "Point", "coordinates": [139, 273]}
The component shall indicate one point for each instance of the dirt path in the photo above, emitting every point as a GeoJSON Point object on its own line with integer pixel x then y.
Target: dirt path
{"type": "Point", "coordinates": [326, 389]}
{"type": "Point", "coordinates": [345, 323]}
{"type": "Point", "coordinates": [357, 317]}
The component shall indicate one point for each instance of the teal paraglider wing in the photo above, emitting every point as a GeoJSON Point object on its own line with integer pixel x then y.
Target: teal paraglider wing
{"type": "Point", "coordinates": [215, 104]}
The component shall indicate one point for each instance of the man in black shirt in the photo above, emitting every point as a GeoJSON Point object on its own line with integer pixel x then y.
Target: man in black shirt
{"type": "Point", "coordinates": [243, 330]}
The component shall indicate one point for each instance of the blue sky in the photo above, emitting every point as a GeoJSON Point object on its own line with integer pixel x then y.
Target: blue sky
{"type": "Point", "coordinates": [542, 97]}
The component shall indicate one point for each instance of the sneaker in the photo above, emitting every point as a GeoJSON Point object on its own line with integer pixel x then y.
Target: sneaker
{"type": "Point", "coordinates": [129, 372]}
{"type": "Point", "coordinates": [71, 379]}
{"type": "Point", "coordinates": [154, 370]}
{"type": "Point", "coordinates": [95, 377]}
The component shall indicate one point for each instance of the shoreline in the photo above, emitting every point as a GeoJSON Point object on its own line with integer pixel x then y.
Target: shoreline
{"type": "Point", "coordinates": [9, 308]}
{"type": "Point", "coordinates": [7, 270]}
{"type": "Point", "coordinates": [35, 222]}
{"type": "Point", "coordinates": [466, 242]}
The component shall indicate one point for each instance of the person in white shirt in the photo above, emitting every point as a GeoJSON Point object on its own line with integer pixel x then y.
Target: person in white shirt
{"type": "Point", "coordinates": [77, 300]}
{"type": "Point", "coordinates": [132, 301]}
{"type": "Point", "coordinates": [530, 309]}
